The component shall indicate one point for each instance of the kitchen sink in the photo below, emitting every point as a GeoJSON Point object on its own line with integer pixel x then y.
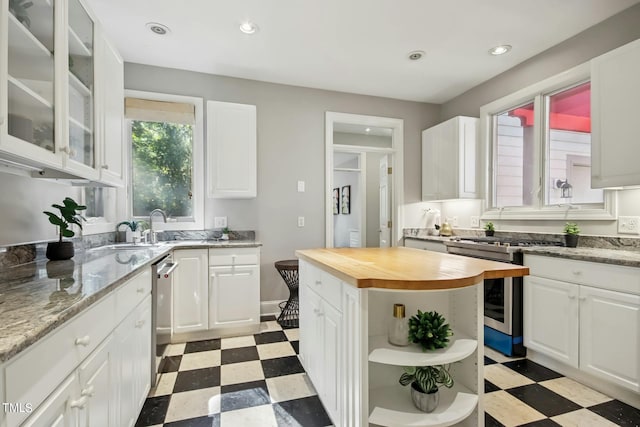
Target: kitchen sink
{"type": "Point", "coordinates": [133, 246]}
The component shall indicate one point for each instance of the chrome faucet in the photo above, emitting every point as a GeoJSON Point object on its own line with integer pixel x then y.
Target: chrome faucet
{"type": "Point", "coordinates": [153, 236]}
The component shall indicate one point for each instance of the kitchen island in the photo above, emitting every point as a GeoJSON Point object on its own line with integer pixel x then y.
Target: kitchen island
{"type": "Point", "coordinates": [346, 301]}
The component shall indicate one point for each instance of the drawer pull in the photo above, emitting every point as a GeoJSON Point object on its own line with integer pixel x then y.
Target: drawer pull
{"type": "Point", "coordinates": [318, 282]}
{"type": "Point", "coordinates": [140, 323]}
{"type": "Point", "coordinates": [572, 297]}
{"type": "Point", "coordinates": [80, 403]}
{"type": "Point", "coordinates": [140, 290]}
{"type": "Point", "coordinates": [318, 312]}
{"type": "Point", "coordinates": [88, 392]}
{"type": "Point", "coordinates": [84, 341]}
{"type": "Point", "coordinates": [582, 298]}
{"type": "Point", "coordinates": [577, 272]}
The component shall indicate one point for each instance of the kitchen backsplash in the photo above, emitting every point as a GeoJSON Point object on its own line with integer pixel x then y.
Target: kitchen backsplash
{"type": "Point", "coordinates": [587, 241]}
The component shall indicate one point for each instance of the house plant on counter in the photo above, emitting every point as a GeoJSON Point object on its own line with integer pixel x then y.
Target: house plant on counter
{"type": "Point", "coordinates": [489, 229]}
{"type": "Point", "coordinates": [134, 229]}
{"type": "Point", "coordinates": [571, 232]}
{"type": "Point", "coordinates": [61, 250]}
{"type": "Point", "coordinates": [430, 330]}
{"type": "Point", "coordinates": [225, 234]}
{"type": "Point", "coordinates": [425, 383]}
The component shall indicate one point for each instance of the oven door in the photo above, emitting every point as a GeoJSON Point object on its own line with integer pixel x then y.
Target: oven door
{"type": "Point", "coordinates": [498, 297]}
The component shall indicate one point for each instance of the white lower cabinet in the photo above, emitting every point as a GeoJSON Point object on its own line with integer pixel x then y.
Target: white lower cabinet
{"type": "Point", "coordinates": [94, 370]}
{"type": "Point", "coordinates": [61, 407]}
{"type": "Point", "coordinates": [345, 352]}
{"type": "Point", "coordinates": [234, 298]}
{"type": "Point", "coordinates": [321, 330]}
{"type": "Point", "coordinates": [596, 330]}
{"type": "Point", "coordinates": [191, 292]}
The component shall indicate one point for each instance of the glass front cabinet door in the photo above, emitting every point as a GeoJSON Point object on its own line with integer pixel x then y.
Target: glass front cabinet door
{"type": "Point", "coordinates": [81, 104]}
{"type": "Point", "coordinates": [29, 107]}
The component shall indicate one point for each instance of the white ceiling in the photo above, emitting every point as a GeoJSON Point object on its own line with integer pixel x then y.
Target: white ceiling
{"type": "Point", "coordinates": [357, 46]}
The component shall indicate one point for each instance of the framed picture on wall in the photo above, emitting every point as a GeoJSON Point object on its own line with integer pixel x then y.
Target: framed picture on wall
{"type": "Point", "coordinates": [336, 201]}
{"type": "Point", "coordinates": [346, 200]}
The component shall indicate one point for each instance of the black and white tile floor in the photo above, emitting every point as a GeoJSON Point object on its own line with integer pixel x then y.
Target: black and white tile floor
{"type": "Point", "coordinates": [257, 381]}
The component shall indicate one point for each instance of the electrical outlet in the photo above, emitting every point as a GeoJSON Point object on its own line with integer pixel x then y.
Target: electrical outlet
{"type": "Point", "coordinates": [300, 221]}
{"type": "Point", "coordinates": [300, 186]}
{"type": "Point", "coordinates": [454, 221]}
{"type": "Point", "coordinates": [219, 222]}
{"type": "Point", "coordinates": [475, 221]}
{"type": "Point", "coordinates": [629, 224]}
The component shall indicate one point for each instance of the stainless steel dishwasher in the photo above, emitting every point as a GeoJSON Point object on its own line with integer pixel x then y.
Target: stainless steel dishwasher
{"type": "Point", "coordinates": [161, 302]}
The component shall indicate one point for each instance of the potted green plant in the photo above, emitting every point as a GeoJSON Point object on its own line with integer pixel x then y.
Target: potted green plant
{"type": "Point", "coordinates": [489, 229]}
{"type": "Point", "coordinates": [225, 233]}
{"type": "Point", "coordinates": [571, 232]}
{"type": "Point", "coordinates": [429, 330]}
{"type": "Point", "coordinates": [134, 229]}
{"type": "Point", "coordinates": [425, 384]}
{"type": "Point", "coordinates": [61, 250]}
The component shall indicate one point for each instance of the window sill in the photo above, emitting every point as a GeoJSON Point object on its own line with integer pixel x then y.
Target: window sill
{"type": "Point", "coordinates": [573, 213]}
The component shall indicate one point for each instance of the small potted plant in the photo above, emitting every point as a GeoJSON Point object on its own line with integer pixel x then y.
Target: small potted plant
{"type": "Point", "coordinates": [134, 229]}
{"type": "Point", "coordinates": [489, 229]}
{"type": "Point", "coordinates": [68, 215]}
{"type": "Point", "coordinates": [571, 232]}
{"type": "Point", "coordinates": [429, 330]}
{"type": "Point", "coordinates": [225, 234]}
{"type": "Point", "coordinates": [425, 383]}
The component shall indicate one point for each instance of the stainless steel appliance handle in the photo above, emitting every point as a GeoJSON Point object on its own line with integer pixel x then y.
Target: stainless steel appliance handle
{"type": "Point", "coordinates": [170, 266]}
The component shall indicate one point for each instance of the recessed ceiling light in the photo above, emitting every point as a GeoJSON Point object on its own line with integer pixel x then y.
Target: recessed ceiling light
{"type": "Point", "coordinates": [367, 130]}
{"type": "Point", "coordinates": [415, 55]}
{"type": "Point", "coordinates": [500, 50]}
{"type": "Point", "coordinates": [248, 27]}
{"type": "Point", "coordinates": [159, 29]}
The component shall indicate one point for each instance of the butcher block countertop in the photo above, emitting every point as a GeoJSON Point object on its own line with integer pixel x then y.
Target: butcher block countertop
{"type": "Point", "coordinates": [403, 268]}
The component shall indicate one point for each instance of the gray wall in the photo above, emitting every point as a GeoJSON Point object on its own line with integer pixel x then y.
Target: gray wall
{"type": "Point", "coordinates": [290, 148]}
{"type": "Point", "coordinates": [603, 37]}
{"type": "Point", "coordinates": [23, 200]}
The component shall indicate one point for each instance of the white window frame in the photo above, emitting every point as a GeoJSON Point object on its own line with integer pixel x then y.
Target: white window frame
{"type": "Point", "coordinates": [197, 222]}
{"type": "Point", "coordinates": [101, 224]}
{"type": "Point", "coordinates": [536, 93]}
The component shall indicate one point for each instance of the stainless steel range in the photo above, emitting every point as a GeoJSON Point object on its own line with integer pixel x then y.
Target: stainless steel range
{"type": "Point", "coordinates": [502, 297]}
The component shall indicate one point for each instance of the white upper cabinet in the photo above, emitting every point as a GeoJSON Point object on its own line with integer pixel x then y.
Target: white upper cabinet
{"type": "Point", "coordinates": [110, 86]}
{"type": "Point", "coordinates": [29, 65]}
{"type": "Point", "coordinates": [449, 160]}
{"type": "Point", "coordinates": [614, 111]}
{"type": "Point", "coordinates": [50, 113]}
{"type": "Point", "coordinates": [231, 150]}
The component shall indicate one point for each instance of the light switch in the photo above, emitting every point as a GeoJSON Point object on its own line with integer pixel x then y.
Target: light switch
{"type": "Point", "coordinates": [300, 221]}
{"type": "Point", "coordinates": [219, 221]}
{"type": "Point", "coordinates": [300, 186]}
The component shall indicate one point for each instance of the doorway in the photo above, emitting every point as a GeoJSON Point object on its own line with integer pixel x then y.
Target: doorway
{"type": "Point", "coordinates": [363, 180]}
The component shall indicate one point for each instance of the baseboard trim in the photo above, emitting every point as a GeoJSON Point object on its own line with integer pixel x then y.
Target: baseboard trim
{"type": "Point", "coordinates": [270, 308]}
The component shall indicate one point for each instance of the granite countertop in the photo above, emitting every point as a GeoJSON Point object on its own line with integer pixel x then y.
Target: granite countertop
{"type": "Point", "coordinates": [606, 256]}
{"type": "Point", "coordinates": [37, 297]}
{"type": "Point", "coordinates": [430, 238]}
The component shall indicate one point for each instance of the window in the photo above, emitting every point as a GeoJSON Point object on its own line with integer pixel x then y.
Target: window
{"type": "Point", "coordinates": [538, 147]}
{"type": "Point", "coordinates": [101, 209]}
{"type": "Point", "coordinates": [165, 135]}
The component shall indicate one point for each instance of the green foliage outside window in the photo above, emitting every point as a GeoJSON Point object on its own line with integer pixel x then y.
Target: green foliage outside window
{"type": "Point", "coordinates": [162, 168]}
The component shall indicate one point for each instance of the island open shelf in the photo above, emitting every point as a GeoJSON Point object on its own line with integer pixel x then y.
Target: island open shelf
{"type": "Point", "coordinates": [460, 347]}
{"type": "Point", "coordinates": [393, 407]}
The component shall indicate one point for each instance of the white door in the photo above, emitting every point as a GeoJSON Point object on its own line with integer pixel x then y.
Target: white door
{"type": "Point", "coordinates": [610, 335]}
{"type": "Point", "coordinates": [190, 291]}
{"type": "Point", "coordinates": [61, 408]}
{"type": "Point", "coordinates": [234, 296]}
{"type": "Point", "coordinates": [551, 318]}
{"type": "Point", "coordinates": [385, 217]}
{"type": "Point", "coordinates": [97, 375]}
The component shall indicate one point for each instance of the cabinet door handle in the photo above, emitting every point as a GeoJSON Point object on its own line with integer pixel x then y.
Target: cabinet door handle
{"type": "Point", "coordinates": [140, 290]}
{"type": "Point", "coordinates": [105, 166]}
{"type": "Point", "coordinates": [318, 282]}
{"type": "Point", "coordinates": [582, 298]}
{"type": "Point", "coordinates": [140, 323]}
{"type": "Point", "coordinates": [88, 392]}
{"type": "Point", "coordinates": [80, 403]}
{"type": "Point", "coordinates": [84, 341]}
{"type": "Point", "coordinates": [318, 312]}
{"type": "Point", "coordinates": [577, 272]}
{"type": "Point", "coordinates": [572, 297]}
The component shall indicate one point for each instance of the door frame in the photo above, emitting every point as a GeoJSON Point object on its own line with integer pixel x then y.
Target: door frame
{"type": "Point", "coordinates": [397, 163]}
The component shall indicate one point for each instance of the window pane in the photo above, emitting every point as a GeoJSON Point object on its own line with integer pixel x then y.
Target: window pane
{"type": "Point", "coordinates": [162, 168]}
{"type": "Point", "coordinates": [568, 167]}
{"type": "Point", "coordinates": [94, 200]}
{"type": "Point", "coordinates": [513, 156]}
